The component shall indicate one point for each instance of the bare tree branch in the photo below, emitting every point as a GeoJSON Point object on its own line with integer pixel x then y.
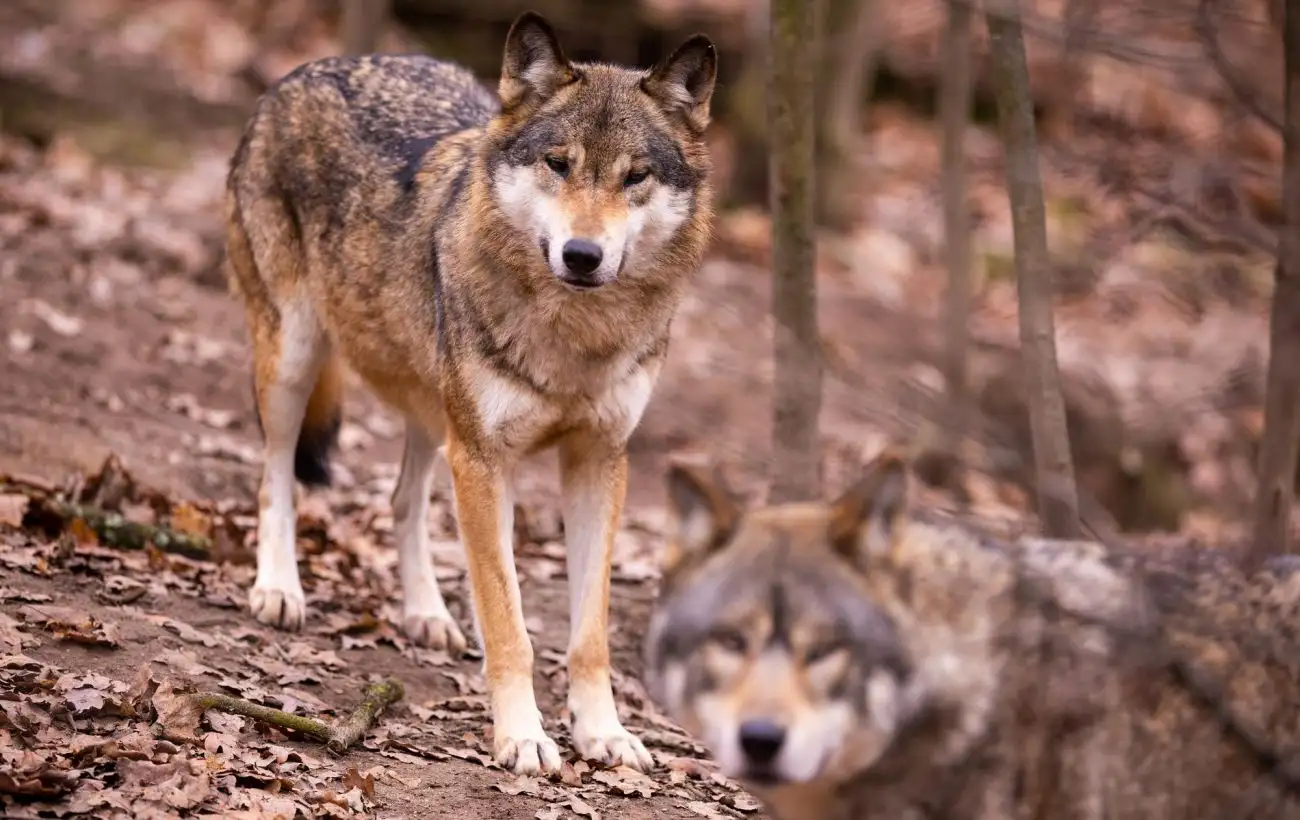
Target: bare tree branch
{"type": "Point", "coordinates": [1240, 88]}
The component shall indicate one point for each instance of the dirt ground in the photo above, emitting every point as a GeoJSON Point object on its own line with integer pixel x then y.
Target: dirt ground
{"type": "Point", "coordinates": [124, 382]}
{"type": "Point", "coordinates": [121, 340]}
{"type": "Point", "coordinates": [86, 634]}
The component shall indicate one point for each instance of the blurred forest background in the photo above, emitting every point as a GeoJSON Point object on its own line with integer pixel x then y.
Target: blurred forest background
{"type": "Point", "coordinates": [1160, 148]}
{"type": "Point", "coordinates": [871, 297]}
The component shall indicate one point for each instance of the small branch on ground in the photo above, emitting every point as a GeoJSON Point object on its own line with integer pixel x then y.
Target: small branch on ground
{"type": "Point", "coordinates": [116, 531]}
{"type": "Point", "coordinates": [338, 737]}
{"type": "Point", "coordinates": [299, 724]}
{"type": "Point", "coordinates": [113, 529]}
{"type": "Point", "coordinates": [374, 700]}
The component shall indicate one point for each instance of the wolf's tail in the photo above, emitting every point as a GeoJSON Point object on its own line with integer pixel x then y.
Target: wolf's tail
{"type": "Point", "coordinates": [320, 426]}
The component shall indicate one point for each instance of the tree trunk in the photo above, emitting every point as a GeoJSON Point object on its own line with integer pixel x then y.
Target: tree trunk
{"type": "Point", "coordinates": [1079, 21]}
{"type": "Point", "coordinates": [851, 44]}
{"type": "Point", "coordinates": [954, 111]}
{"type": "Point", "coordinates": [1281, 439]}
{"type": "Point", "coordinates": [363, 21]}
{"type": "Point", "coordinates": [797, 376]}
{"type": "Point", "coordinates": [1058, 500]}
{"type": "Point", "coordinates": [746, 114]}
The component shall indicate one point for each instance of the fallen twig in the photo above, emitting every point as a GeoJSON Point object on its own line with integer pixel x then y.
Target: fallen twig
{"type": "Point", "coordinates": [113, 529]}
{"type": "Point", "coordinates": [374, 700]}
{"type": "Point", "coordinates": [337, 737]}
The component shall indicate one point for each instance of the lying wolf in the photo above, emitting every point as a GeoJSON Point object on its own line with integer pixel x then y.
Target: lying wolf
{"type": "Point", "coordinates": [854, 659]}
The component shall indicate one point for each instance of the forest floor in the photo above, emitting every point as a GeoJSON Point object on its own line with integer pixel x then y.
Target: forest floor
{"type": "Point", "coordinates": [125, 381]}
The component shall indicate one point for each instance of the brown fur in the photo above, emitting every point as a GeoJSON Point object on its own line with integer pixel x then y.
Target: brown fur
{"type": "Point", "coordinates": [976, 679]}
{"type": "Point", "coordinates": [391, 213]}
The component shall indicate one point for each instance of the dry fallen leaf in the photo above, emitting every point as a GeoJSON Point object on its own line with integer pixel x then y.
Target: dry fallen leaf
{"type": "Point", "coordinates": [184, 631]}
{"type": "Point", "coordinates": [352, 779]}
{"type": "Point", "coordinates": [742, 802]}
{"type": "Point", "coordinates": [23, 596]}
{"type": "Point", "coordinates": [91, 695]}
{"type": "Point", "coordinates": [682, 768]}
{"type": "Point", "coordinates": [626, 781]}
{"type": "Point", "coordinates": [56, 320]}
{"type": "Point", "coordinates": [178, 715]}
{"type": "Point", "coordinates": [188, 519]}
{"type": "Point", "coordinates": [12, 509]}
{"type": "Point", "coordinates": [520, 785]}
{"type": "Point", "coordinates": [71, 625]}
{"type": "Point", "coordinates": [34, 777]}
{"type": "Point", "coordinates": [82, 532]}
{"type": "Point", "coordinates": [12, 639]}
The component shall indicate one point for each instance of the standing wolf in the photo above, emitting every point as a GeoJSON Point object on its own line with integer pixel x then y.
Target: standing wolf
{"type": "Point", "coordinates": [500, 268]}
{"type": "Point", "coordinates": [854, 661]}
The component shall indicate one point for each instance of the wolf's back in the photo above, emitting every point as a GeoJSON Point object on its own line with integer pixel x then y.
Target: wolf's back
{"type": "Point", "coordinates": [334, 122]}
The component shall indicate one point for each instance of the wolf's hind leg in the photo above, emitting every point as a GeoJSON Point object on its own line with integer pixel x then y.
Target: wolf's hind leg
{"type": "Point", "coordinates": [425, 618]}
{"type": "Point", "coordinates": [288, 357]}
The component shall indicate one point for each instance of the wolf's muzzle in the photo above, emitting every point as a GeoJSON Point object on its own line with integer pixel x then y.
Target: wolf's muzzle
{"type": "Point", "coordinates": [581, 259]}
{"type": "Point", "coordinates": [761, 741]}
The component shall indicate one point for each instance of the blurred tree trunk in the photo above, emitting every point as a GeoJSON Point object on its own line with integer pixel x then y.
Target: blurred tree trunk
{"type": "Point", "coordinates": [1061, 110]}
{"type": "Point", "coordinates": [1281, 439]}
{"type": "Point", "coordinates": [1058, 499]}
{"type": "Point", "coordinates": [954, 110]}
{"type": "Point", "coordinates": [851, 49]}
{"type": "Point", "coordinates": [363, 21]}
{"type": "Point", "coordinates": [747, 114]}
{"type": "Point", "coordinates": [797, 377]}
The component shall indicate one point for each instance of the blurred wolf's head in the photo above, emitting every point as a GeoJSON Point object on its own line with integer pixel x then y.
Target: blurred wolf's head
{"type": "Point", "coordinates": [766, 642]}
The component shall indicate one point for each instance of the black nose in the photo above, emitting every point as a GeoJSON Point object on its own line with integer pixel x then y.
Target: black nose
{"type": "Point", "coordinates": [761, 741]}
{"type": "Point", "coordinates": [581, 256]}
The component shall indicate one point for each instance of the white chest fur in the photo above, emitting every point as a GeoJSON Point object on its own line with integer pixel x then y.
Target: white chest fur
{"type": "Point", "coordinates": [518, 418]}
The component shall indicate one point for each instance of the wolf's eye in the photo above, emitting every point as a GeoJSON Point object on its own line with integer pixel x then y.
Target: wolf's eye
{"type": "Point", "coordinates": [822, 651]}
{"type": "Point", "coordinates": [636, 177]}
{"type": "Point", "coordinates": [730, 640]}
{"type": "Point", "coordinates": [559, 165]}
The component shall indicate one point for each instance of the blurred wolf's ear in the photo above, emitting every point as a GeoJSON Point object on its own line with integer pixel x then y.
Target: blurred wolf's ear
{"type": "Point", "coordinates": [866, 520]}
{"type": "Point", "coordinates": [683, 83]}
{"type": "Point", "coordinates": [534, 64]}
{"type": "Point", "coordinates": [704, 512]}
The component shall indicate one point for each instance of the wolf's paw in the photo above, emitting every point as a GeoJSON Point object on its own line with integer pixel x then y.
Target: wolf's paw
{"type": "Point", "coordinates": [614, 746]}
{"type": "Point", "coordinates": [280, 606]}
{"type": "Point", "coordinates": [528, 753]}
{"type": "Point", "coordinates": [435, 631]}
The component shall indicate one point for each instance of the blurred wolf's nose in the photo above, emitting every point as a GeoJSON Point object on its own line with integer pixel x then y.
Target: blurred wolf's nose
{"type": "Point", "coordinates": [761, 741]}
{"type": "Point", "coordinates": [581, 256]}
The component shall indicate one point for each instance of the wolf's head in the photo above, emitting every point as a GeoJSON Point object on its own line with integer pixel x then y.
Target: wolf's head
{"type": "Point", "coordinates": [601, 171]}
{"type": "Point", "coordinates": [766, 642]}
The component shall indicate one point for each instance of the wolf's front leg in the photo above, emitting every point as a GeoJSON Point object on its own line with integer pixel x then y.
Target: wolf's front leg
{"type": "Point", "coordinates": [485, 515]}
{"type": "Point", "coordinates": [595, 484]}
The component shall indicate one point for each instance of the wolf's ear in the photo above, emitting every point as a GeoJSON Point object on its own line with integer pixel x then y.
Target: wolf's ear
{"type": "Point", "coordinates": [534, 63]}
{"type": "Point", "coordinates": [703, 510]}
{"type": "Point", "coordinates": [683, 83]}
{"type": "Point", "coordinates": [867, 520]}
